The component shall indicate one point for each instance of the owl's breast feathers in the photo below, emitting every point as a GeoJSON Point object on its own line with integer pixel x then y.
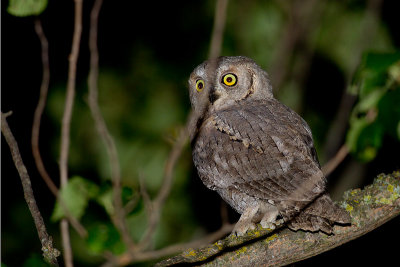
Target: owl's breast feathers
{"type": "Point", "coordinates": [261, 148]}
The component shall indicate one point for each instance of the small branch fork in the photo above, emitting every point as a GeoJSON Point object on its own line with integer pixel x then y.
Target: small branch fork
{"type": "Point", "coordinates": [36, 129]}
{"type": "Point", "coordinates": [49, 252]}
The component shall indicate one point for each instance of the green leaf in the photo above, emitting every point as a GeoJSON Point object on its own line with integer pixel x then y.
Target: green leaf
{"type": "Point", "coordinates": [377, 112]}
{"type": "Point", "coordinates": [373, 71]}
{"type": "Point", "coordinates": [356, 127]}
{"type": "Point", "coordinates": [104, 237]}
{"type": "Point", "coordinates": [23, 8]}
{"type": "Point", "coordinates": [380, 62]}
{"type": "Point", "coordinates": [370, 101]}
{"type": "Point", "coordinates": [76, 195]}
{"type": "Point", "coordinates": [105, 199]}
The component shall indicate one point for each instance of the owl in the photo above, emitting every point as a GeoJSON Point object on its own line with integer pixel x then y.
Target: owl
{"type": "Point", "coordinates": [257, 153]}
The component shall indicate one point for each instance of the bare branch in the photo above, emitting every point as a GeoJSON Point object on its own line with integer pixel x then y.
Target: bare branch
{"type": "Point", "coordinates": [119, 214]}
{"type": "Point", "coordinates": [369, 208]}
{"type": "Point", "coordinates": [218, 29]}
{"type": "Point", "coordinates": [49, 252]}
{"type": "Point", "coordinates": [66, 122]}
{"type": "Point", "coordinates": [332, 164]}
{"type": "Point", "coordinates": [126, 258]}
{"type": "Point", "coordinates": [40, 107]}
{"type": "Point", "coordinates": [36, 129]}
{"type": "Point", "coordinates": [159, 201]}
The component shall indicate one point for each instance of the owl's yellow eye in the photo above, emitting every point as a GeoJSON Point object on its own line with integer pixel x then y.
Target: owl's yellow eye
{"type": "Point", "coordinates": [199, 85]}
{"type": "Point", "coordinates": [229, 79]}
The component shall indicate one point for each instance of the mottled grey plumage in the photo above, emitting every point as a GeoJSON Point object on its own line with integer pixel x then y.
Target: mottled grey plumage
{"type": "Point", "coordinates": [257, 153]}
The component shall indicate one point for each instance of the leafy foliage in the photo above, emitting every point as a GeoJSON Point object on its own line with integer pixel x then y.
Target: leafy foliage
{"type": "Point", "coordinates": [23, 8]}
{"type": "Point", "coordinates": [377, 112]}
{"type": "Point", "coordinates": [104, 237]}
{"type": "Point", "coordinates": [76, 195]}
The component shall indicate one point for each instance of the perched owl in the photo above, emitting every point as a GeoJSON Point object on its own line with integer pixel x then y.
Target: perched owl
{"type": "Point", "coordinates": [257, 153]}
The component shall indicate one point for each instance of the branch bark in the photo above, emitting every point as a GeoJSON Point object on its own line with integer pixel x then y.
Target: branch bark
{"type": "Point", "coordinates": [369, 208]}
{"type": "Point", "coordinates": [49, 252]}
{"type": "Point", "coordinates": [119, 213]}
{"type": "Point", "coordinates": [66, 123]}
{"type": "Point", "coordinates": [44, 87]}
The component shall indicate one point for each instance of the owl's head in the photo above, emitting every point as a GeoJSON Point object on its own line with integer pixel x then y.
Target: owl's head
{"type": "Point", "coordinates": [234, 79]}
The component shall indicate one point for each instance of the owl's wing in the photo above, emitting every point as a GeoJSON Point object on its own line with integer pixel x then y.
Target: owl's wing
{"type": "Point", "coordinates": [262, 149]}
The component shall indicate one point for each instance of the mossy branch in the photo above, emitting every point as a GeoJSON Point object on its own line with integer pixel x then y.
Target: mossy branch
{"type": "Point", "coordinates": [369, 208]}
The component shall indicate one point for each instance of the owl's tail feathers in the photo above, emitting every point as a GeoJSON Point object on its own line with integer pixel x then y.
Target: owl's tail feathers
{"type": "Point", "coordinates": [320, 215]}
{"type": "Point", "coordinates": [310, 223]}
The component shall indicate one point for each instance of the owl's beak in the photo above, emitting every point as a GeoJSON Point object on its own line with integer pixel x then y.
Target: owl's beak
{"type": "Point", "coordinates": [213, 95]}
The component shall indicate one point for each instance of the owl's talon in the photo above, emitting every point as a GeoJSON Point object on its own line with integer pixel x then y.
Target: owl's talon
{"type": "Point", "coordinates": [268, 225]}
{"type": "Point", "coordinates": [242, 227]}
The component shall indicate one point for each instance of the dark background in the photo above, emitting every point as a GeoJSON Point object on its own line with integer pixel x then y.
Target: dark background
{"type": "Point", "coordinates": [134, 37]}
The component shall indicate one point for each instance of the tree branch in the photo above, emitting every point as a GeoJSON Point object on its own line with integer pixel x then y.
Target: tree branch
{"type": "Point", "coordinates": [332, 164]}
{"type": "Point", "coordinates": [49, 252]}
{"type": "Point", "coordinates": [369, 208]}
{"type": "Point", "coordinates": [44, 87]}
{"type": "Point", "coordinates": [36, 130]}
{"type": "Point", "coordinates": [127, 258]}
{"type": "Point", "coordinates": [119, 213]}
{"type": "Point", "coordinates": [66, 122]}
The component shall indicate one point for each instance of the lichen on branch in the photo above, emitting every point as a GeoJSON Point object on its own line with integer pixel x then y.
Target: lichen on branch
{"type": "Point", "coordinates": [369, 208]}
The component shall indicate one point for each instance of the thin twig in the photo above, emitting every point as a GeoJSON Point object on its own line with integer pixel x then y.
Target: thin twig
{"type": "Point", "coordinates": [159, 201]}
{"type": "Point", "coordinates": [119, 214]}
{"type": "Point", "coordinates": [66, 122]}
{"type": "Point", "coordinates": [218, 29]}
{"type": "Point", "coordinates": [332, 164]}
{"type": "Point", "coordinates": [145, 196]}
{"type": "Point", "coordinates": [36, 129]}
{"type": "Point", "coordinates": [49, 252]}
{"type": "Point", "coordinates": [126, 258]}
{"type": "Point", "coordinates": [40, 107]}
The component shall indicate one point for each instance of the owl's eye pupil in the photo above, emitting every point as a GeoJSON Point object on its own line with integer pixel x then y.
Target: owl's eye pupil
{"type": "Point", "coordinates": [200, 86]}
{"type": "Point", "coordinates": [229, 79]}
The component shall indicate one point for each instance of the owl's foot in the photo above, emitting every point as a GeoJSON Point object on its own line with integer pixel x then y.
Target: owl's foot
{"type": "Point", "coordinates": [242, 227]}
{"type": "Point", "coordinates": [245, 222]}
{"type": "Point", "coordinates": [269, 218]}
{"type": "Point", "coordinates": [268, 225]}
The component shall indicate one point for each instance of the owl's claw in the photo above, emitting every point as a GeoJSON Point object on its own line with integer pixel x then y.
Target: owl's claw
{"type": "Point", "coordinates": [268, 225]}
{"type": "Point", "coordinates": [245, 222]}
{"type": "Point", "coordinates": [242, 227]}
